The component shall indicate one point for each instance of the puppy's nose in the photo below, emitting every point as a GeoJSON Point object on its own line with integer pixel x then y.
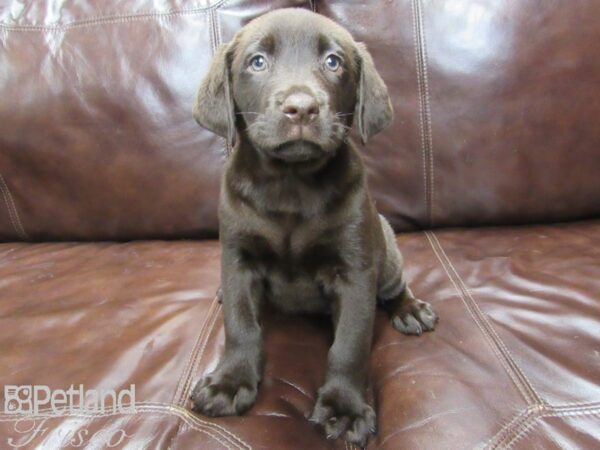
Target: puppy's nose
{"type": "Point", "coordinates": [300, 107]}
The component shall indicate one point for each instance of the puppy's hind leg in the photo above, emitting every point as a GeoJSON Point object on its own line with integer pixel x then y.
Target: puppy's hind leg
{"type": "Point", "coordinates": [408, 314]}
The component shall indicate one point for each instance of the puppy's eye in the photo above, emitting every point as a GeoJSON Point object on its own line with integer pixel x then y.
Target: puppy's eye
{"type": "Point", "coordinates": [258, 63]}
{"type": "Point", "coordinates": [333, 62]}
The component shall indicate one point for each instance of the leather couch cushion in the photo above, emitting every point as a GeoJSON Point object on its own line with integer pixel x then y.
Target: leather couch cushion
{"type": "Point", "coordinates": [97, 139]}
{"type": "Point", "coordinates": [496, 106]}
{"type": "Point", "coordinates": [513, 364]}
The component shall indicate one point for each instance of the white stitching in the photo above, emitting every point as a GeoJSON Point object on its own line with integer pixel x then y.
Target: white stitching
{"type": "Point", "coordinates": [576, 406]}
{"type": "Point", "coordinates": [428, 113]}
{"type": "Point", "coordinates": [498, 339]}
{"type": "Point", "coordinates": [218, 35]}
{"type": "Point", "coordinates": [150, 411]}
{"type": "Point", "coordinates": [168, 409]}
{"type": "Point", "coordinates": [513, 424]}
{"type": "Point", "coordinates": [202, 427]}
{"type": "Point", "coordinates": [13, 213]}
{"type": "Point", "coordinates": [535, 412]}
{"type": "Point", "coordinates": [530, 425]}
{"type": "Point", "coordinates": [179, 397]}
{"type": "Point", "coordinates": [488, 338]}
{"type": "Point", "coordinates": [508, 355]}
{"type": "Point", "coordinates": [154, 407]}
{"type": "Point", "coordinates": [225, 431]}
{"type": "Point", "coordinates": [198, 357]}
{"type": "Point", "coordinates": [419, 76]}
{"type": "Point", "coordinates": [213, 39]}
{"type": "Point", "coordinates": [527, 427]}
{"type": "Point", "coordinates": [424, 106]}
{"type": "Point", "coordinates": [113, 19]}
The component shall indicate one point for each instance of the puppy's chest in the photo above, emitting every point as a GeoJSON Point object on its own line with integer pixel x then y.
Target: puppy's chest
{"type": "Point", "coordinates": [293, 267]}
{"type": "Point", "coordinates": [290, 254]}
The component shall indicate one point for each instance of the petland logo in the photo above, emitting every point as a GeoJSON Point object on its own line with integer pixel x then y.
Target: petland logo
{"type": "Point", "coordinates": [40, 399]}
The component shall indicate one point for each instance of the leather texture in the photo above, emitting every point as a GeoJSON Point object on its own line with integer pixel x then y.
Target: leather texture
{"type": "Point", "coordinates": [513, 363]}
{"type": "Point", "coordinates": [496, 124]}
{"type": "Point", "coordinates": [495, 113]}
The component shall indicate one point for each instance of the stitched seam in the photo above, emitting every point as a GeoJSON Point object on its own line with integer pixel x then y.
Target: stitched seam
{"type": "Point", "coordinates": [200, 429]}
{"type": "Point", "coordinates": [524, 421]}
{"type": "Point", "coordinates": [231, 437]}
{"type": "Point", "coordinates": [179, 397]}
{"type": "Point", "coordinates": [213, 39]}
{"type": "Point", "coordinates": [515, 423]}
{"type": "Point", "coordinates": [477, 321]}
{"type": "Point", "coordinates": [13, 213]}
{"type": "Point", "coordinates": [423, 40]}
{"type": "Point", "coordinates": [113, 19]}
{"type": "Point", "coordinates": [569, 409]}
{"type": "Point", "coordinates": [150, 408]}
{"type": "Point", "coordinates": [535, 397]}
{"type": "Point", "coordinates": [491, 332]}
{"type": "Point", "coordinates": [575, 413]}
{"type": "Point", "coordinates": [429, 121]}
{"type": "Point", "coordinates": [524, 418]}
{"type": "Point", "coordinates": [551, 412]}
{"type": "Point", "coordinates": [218, 37]}
{"type": "Point", "coordinates": [146, 406]}
{"type": "Point", "coordinates": [499, 341]}
{"type": "Point", "coordinates": [420, 90]}
{"type": "Point", "coordinates": [5, 194]}
{"type": "Point", "coordinates": [424, 107]}
{"type": "Point", "coordinates": [583, 406]}
{"type": "Point", "coordinates": [198, 357]}
{"type": "Point", "coordinates": [527, 427]}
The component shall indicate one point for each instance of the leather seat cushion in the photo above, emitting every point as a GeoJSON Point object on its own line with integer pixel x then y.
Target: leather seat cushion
{"type": "Point", "coordinates": [514, 361]}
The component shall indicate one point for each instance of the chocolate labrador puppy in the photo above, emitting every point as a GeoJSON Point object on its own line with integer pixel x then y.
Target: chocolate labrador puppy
{"type": "Point", "coordinates": [297, 225]}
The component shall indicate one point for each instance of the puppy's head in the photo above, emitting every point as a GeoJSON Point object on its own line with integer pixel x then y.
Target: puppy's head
{"type": "Point", "coordinates": [293, 82]}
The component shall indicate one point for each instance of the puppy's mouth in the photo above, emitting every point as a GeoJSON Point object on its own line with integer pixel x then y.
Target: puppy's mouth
{"type": "Point", "coordinates": [297, 151]}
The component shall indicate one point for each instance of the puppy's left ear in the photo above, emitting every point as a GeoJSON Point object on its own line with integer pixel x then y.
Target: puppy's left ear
{"type": "Point", "coordinates": [214, 108]}
{"type": "Point", "coordinates": [373, 109]}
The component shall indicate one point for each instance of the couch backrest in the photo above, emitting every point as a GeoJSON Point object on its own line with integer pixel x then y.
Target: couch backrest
{"type": "Point", "coordinates": [497, 105]}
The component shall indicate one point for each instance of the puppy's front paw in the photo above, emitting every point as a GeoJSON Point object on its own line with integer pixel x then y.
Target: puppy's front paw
{"type": "Point", "coordinates": [414, 317]}
{"type": "Point", "coordinates": [224, 393]}
{"type": "Point", "coordinates": [342, 411]}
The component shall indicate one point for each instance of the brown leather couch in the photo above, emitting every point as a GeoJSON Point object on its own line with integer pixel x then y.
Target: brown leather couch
{"type": "Point", "coordinates": [110, 262]}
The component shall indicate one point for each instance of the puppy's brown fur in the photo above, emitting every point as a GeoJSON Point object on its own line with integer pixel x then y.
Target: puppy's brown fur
{"type": "Point", "coordinates": [297, 225]}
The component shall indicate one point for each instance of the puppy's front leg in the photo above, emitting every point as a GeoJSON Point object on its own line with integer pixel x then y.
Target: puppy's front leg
{"type": "Point", "coordinates": [341, 407]}
{"type": "Point", "coordinates": [232, 387]}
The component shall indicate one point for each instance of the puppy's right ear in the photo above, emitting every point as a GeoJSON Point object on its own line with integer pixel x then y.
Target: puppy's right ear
{"type": "Point", "coordinates": [214, 108]}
